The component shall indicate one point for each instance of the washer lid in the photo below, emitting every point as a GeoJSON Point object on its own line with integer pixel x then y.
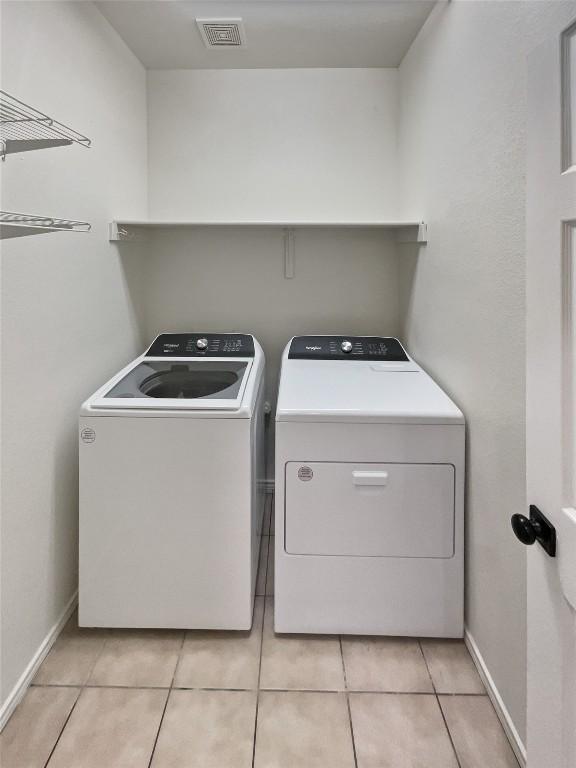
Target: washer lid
{"type": "Point", "coordinates": [362, 391]}
{"type": "Point", "coordinates": [171, 383]}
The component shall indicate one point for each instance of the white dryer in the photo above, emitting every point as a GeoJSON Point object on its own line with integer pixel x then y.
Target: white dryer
{"type": "Point", "coordinates": [172, 486]}
{"type": "Point", "coordinates": [369, 493]}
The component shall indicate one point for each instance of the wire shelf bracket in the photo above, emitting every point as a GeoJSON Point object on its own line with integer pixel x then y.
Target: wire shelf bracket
{"type": "Point", "coordinates": [23, 128]}
{"type": "Point", "coordinates": [21, 224]}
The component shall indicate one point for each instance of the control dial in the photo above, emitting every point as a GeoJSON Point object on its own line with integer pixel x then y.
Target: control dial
{"type": "Point", "coordinates": [346, 346]}
{"type": "Point", "coordinates": [201, 344]}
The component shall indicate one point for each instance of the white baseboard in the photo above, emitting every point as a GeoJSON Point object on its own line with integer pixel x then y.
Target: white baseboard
{"type": "Point", "coordinates": [504, 716]}
{"type": "Point", "coordinates": [15, 696]}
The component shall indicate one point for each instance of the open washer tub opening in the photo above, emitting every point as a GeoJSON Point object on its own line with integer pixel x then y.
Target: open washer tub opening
{"type": "Point", "coordinates": [181, 382]}
{"type": "Point", "coordinates": [188, 381]}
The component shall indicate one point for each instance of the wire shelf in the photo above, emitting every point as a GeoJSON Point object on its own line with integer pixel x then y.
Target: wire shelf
{"type": "Point", "coordinates": [23, 128]}
{"type": "Point", "coordinates": [20, 224]}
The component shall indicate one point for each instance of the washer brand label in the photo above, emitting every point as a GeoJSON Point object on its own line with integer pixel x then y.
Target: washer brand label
{"type": "Point", "coordinates": [88, 435]}
{"type": "Point", "coordinates": [305, 473]}
{"type": "Point", "coordinates": [314, 349]}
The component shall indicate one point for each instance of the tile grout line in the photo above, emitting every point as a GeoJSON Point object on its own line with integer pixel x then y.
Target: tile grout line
{"type": "Point", "coordinates": [184, 633]}
{"type": "Point", "coordinates": [270, 506]}
{"type": "Point", "coordinates": [448, 731]}
{"type": "Point", "coordinates": [264, 600]}
{"type": "Point", "coordinates": [272, 510]}
{"type": "Point", "coordinates": [63, 727]}
{"type": "Point", "coordinates": [267, 568]}
{"type": "Point", "coordinates": [86, 682]}
{"type": "Point", "coordinates": [264, 536]}
{"type": "Point", "coordinates": [267, 557]}
{"type": "Point", "coordinates": [165, 707]}
{"type": "Point", "coordinates": [258, 681]}
{"type": "Point", "coordinates": [440, 705]}
{"type": "Point", "coordinates": [348, 702]}
{"type": "Point", "coordinates": [275, 690]}
{"type": "Point", "coordinates": [352, 691]}
{"type": "Point", "coordinates": [170, 689]}
{"type": "Point", "coordinates": [425, 660]}
{"type": "Point", "coordinates": [97, 659]}
{"type": "Point", "coordinates": [81, 690]}
{"type": "Point", "coordinates": [270, 535]}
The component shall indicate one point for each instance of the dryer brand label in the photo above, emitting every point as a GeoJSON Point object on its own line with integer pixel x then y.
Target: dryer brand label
{"type": "Point", "coordinates": [88, 435]}
{"type": "Point", "coordinates": [305, 473]}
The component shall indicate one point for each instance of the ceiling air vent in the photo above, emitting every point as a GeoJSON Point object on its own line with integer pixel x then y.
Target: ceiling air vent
{"type": "Point", "coordinates": [220, 33]}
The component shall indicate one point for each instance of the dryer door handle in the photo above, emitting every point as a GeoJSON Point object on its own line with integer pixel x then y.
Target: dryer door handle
{"type": "Point", "coordinates": [372, 477]}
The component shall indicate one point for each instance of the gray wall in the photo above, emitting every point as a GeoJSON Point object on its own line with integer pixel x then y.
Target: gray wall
{"type": "Point", "coordinates": [68, 300]}
{"type": "Point", "coordinates": [273, 144]}
{"type": "Point", "coordinates": [463, 121]}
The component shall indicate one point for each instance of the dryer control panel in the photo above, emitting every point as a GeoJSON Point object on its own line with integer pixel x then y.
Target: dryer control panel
{"type": "Point", "coordinates": [202, 345]}
{"type": "Point", "coordinates": [346, 348]}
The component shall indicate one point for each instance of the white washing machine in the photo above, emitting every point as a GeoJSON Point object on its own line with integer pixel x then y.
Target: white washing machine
{"type": "Point", "coordinates": [172, 486]}
{"type": "Point", "coordinates": [369, 493]}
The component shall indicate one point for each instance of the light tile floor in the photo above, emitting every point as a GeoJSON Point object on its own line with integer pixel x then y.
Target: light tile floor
{"type": "Point", "coordinates": [128, 699]}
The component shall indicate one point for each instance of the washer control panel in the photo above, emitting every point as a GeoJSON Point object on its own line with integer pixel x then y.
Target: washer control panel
{"type": "Point", "coordinates": [346, 348]}
{"type": "Point", "coordinates": [202, 345]}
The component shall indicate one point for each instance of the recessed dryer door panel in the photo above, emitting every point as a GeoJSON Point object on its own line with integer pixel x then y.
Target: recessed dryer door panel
{"type": "Point", "coordinates": [379, 510]}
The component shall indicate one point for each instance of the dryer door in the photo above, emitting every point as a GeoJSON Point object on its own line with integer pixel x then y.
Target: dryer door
{"type": "Point", "coordinates": [378, 510]}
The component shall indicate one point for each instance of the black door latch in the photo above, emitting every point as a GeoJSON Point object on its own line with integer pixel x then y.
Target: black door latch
{"type": "Point", "coordinates": [535, 528]}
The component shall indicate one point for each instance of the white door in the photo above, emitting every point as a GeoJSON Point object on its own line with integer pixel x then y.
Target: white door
{"type": "Point", "coordinates": [551, 400]}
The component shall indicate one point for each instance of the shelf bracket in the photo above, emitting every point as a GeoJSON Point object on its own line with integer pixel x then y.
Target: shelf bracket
{"type": "Point", "coordinates": [289, 254]}
{"type": "Point", "coordinates": [11, 146]}
{"type": "Point", "coordinates": [120, 233]}
{"type": "Point", "coordinates": [413, 234]}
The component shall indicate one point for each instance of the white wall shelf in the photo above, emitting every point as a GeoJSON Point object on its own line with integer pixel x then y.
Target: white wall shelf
{"type": "Point", "coordinates": [21, 224]}
{"type": "Point", "coordinates": [23, 128]}
{"type": "Point", "coordinates": [124, 230]}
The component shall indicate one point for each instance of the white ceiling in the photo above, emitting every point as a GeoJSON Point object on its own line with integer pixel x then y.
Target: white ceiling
{"type": "Point", "coordinates": [279, 33]}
